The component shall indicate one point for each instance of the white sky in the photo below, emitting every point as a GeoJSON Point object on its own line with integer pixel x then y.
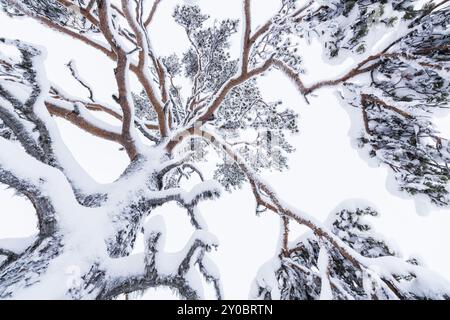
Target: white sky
{"type": "Point", "coordinates": [324, 171]}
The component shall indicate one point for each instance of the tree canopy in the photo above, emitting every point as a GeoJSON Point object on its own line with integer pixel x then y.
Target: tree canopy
{"type": "Point", "coordinates": [207, 97]}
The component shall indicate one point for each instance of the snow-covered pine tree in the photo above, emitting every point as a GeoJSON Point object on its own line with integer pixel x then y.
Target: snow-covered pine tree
{"type": "Point", "coordinates": [391, 92]}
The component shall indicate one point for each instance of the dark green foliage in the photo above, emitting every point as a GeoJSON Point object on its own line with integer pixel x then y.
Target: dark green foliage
{"type": "Point", "coordinates": [229, 175]}
{"type": "Point", "coordinates": [412, 148]}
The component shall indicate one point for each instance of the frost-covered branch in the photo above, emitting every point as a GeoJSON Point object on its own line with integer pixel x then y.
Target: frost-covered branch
{"type": "Point", "coordinates": [157, 268]}
{"type": "Point", "coordinates": [204, 190]}
{"type": "Point", "coordinates": [74, 109]}
{"type": "Point", "coordinates": [268, 198]}
{"type": "Point", "coordinates": [59, 28]}
{"type": "Point", "coordinates": [145, 54]}
{"type": "Point", "coordinates": [29, 184]}
{"type": "Point", "coordinates": [121, 74]}
{"type": "Point", "coordinates": [76, 75]}
{"type": "Point", "coordinates": [383, 273]}
{"type": "Point", "coordinates": [211, 109]}
{"type": "Point", "coordinates": [78, 115]}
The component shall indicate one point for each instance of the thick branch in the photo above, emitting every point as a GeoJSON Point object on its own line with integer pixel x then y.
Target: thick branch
{"type": "Point", "coordinates": [11, 174]}
{"type": "Point", "coordinates": [121, 75]}
{"type": "Point", "coordinates": [74, 117]}
{"type": "Point", "coordinates": [246, 45]}
{"type": "Point", "coordinates": [144, 65]}
{"type": "Point", "coordinates": [130, 284]}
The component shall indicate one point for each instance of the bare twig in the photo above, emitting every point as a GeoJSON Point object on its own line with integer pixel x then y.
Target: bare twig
{"type": "Point", "coordinates": [74, 71]}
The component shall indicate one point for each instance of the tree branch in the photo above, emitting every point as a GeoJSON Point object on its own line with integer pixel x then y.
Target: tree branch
{"type": "Point", "coordinates": [101, 107]}
{"type": "Point", "coordinates": [121, 75]}
{"type": "Point", "coordinates": [175, 274]}
{"type": "Point", "coordinates": [366, 98]}
{"type": "Point", "coordinates": [143, 66]}
{"type": "Point", "coordinates": [85, 12]}
{"type": "Point", "coordinates": [246, 45]}
{"type": "Point", "coordinates": [273, 203]}
{"type": "Point", "coordinates": [12, 174]}
{"type": "Point", "coordinates": [9, 254]}
{"type": "Point", "coordinates": [151, 15]}
{"type": "Point", "coordinates": [230, 85]}
{"type": "Point", "coordinates": [61, 29]}
{"type": "Point", "coordinates": [76, 76]}
{"type": "Point", "coordinates": [305, 90]}
{"type": "Point", "coordinates": [266, 26]}
{"type": "Point", "coordinates": [13, 122]}
{"type": "Point", "coordinates": [76, 117]}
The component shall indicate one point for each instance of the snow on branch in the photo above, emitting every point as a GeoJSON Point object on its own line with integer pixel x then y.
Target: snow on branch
{"type": "Point", "coordinates": [15, 246]}
{"type": "Point", "coordinates": [74, 71]}
{"type": "Point", "coordinates": [307, 274]}
{"type": "Point", "coordinates": [11, 248]}
{"type": "Point", "coordinates": [23, 111]}
{"type": "Point", "coordinates": [204, 190]}
{"type": "Point", "coordinates": [28, 71]}
{"type": "Point", "coordinates": [77, 114]}
{"type": "Point", "coordinates": [178, 271]}
{"type": "Point", "coordinates": [145, 54]}
{"type": "Point", "coordinates": [387, 268]}
{"type": "Point", "coordinates": [54, 22]}
{"type": "Point", "coordinates": [28, 182]}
